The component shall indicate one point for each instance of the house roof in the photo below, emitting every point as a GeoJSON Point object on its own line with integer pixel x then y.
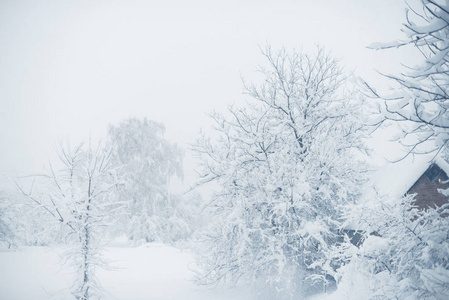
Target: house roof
{"type": "Point", "coordinates": [396, 178]}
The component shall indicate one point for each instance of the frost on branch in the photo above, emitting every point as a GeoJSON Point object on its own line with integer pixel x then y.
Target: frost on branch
{"type": "Point", "coordinates": [422, 101]}
{"type": "Point", "coordinates": [284, 164]}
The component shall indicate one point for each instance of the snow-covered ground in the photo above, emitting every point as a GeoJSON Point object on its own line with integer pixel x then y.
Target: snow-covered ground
{"type": "Point", "coordinates": [147, 272]}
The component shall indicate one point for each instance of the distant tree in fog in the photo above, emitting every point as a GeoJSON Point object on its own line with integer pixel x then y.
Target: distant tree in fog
{"type": "Point", "coordinates": [6, 234]}
{"type": "Point", "coordinates": [148, 163]}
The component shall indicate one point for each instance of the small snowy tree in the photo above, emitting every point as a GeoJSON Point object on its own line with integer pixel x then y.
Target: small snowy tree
{"type": "Point", "coordinates": [148, 163]}
{"type": "Point", "coordinates": [284, 165]}
{"type": "Point", "coordinates": [77, 197]}
{"type": "Point", "coordinates": [405, 254]}
{"type": "Point", "coordinates": [422, 101]}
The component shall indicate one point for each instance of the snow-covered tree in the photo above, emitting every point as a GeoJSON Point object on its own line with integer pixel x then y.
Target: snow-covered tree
{"type": "Point", "coordinates": [148, 163]}
{"type": "Point", "coordinates": [407, 258]}
{"type": "Point", "coordinates": [405, 254]}
{"type": "Point", "coordinates": [77, 197]}
{"type": "Point", "coordinates": [282, 166]}
{"type": "Point", "coordinates": [22, 222]}
{"type": "Point", "coordinates": [422, 101]}
{"type": "Point", "coordinates": [6, 234]}
{"type": "Point", "coordinates": [30, 226]}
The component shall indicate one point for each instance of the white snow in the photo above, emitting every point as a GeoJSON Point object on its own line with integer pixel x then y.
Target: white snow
{"type": "Point", "coordinates": [395, 179]}
{"type": "Point", "coordinates": [148, 272]}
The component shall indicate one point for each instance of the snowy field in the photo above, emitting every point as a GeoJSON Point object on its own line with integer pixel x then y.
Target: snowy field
{"type": "Point", "coordinates": [149, 272]}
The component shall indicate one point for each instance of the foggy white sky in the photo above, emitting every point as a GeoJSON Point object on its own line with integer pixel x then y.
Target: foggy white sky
{"type": "Point", "coordinates": [68, 68]}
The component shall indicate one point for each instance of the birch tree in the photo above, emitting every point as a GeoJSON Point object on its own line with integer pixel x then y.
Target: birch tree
{"type": "Point", "coordinates": [284, 165]}
{"type": "Point", "coordinates": [148, 163]}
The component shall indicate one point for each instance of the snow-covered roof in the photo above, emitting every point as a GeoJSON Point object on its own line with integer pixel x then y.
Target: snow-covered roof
{"type": "Point", "coordinates": [396, 178]}
{"type": "Point", "coordinates": [393, 180]}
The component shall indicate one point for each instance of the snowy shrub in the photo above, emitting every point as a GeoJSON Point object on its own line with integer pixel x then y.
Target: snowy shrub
{"type": "Point", "coordinates": [24, 224]}
{"type": "Point", "coordinates": [406, 256]}
{"type": "Point", "coordinates": [7, 236]}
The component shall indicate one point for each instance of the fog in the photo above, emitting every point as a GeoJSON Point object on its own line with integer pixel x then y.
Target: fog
{"type": "Point", "coordinates": [70, 68]}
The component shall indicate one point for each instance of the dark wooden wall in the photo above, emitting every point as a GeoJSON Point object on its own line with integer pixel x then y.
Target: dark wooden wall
{"type": "Point", "coordinates": [426, 188]}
